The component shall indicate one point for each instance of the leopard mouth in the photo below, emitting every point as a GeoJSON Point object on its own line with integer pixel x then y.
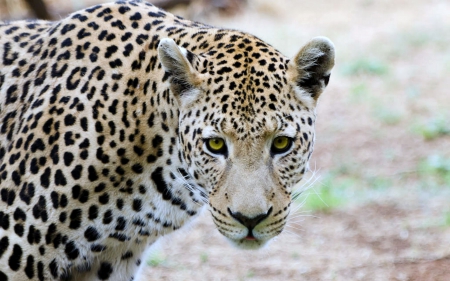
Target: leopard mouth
{"type": "Point", "coordinates": [250, 237]}
{"type": "Point", "coordinates": [249, 241]}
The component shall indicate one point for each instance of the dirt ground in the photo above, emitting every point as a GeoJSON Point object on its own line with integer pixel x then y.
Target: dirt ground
{"type": "Point", "coordinates": [382, 157]}
{"type": "Point", "coordinates": [370, 242]}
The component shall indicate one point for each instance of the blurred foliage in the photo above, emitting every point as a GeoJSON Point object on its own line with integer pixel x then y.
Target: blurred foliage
{"type": "Point", "coordinates": [156, 259]}
{"type": "Point", "coordinates": [436, 165]}
{"type": "Point", "coordinates": [326, 194]}
{"type": "Point", "coordinates": [250, 274]}
{"type": "Point", "coordinates": [447, 219]}
{"type": "Point", "coordinates": [204, 257]}
{"type": "Point", "coordinates": [435, 127]}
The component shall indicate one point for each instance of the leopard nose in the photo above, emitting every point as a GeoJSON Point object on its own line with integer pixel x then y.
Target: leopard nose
{"type": "Point", "coordinates": [250, 223]}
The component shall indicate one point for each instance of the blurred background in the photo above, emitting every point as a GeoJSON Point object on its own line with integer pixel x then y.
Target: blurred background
{"type": "Point", "coordinates": [376, 204]}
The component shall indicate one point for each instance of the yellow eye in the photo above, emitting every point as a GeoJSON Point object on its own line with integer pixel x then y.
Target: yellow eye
{"type": "Point", "coordinates": [281, 144]}
{"type": "Point", "coordinates": [216, 145]}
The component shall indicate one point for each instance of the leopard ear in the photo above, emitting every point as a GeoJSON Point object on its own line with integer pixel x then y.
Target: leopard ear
{"type": "Point", "coordinates": [177, 62]}
{"type": "Point", "coordinates": [313, 66]}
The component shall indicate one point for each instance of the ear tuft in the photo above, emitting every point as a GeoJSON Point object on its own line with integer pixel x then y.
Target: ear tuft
{"type": "Point", "coordinates": [176, 61]}
{"type": "Point", "coordinates": [313, 64]}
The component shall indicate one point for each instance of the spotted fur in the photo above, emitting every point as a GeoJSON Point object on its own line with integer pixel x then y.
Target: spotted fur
{"type": "Point", "coordinates": [104, 120]}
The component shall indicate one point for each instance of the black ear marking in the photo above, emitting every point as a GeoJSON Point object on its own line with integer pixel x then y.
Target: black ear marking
{"type": "Point", "coordinates": [190, 56]}
{"type": "Point", "coordinates": [314, 63]}
{"type": "Point", "coordinates": [327, 79]}
{"type": "Point", "coordinates": [177, 62]}
{"type": "Point", "coordinates": [179, 86]}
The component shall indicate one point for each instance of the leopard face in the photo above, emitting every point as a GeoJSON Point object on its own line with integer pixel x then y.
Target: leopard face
{"type": "Point", "coordinates": [246, 128]}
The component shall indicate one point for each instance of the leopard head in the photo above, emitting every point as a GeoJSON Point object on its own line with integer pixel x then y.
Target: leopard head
{"type": "Point", "coordinates": [246, 127]}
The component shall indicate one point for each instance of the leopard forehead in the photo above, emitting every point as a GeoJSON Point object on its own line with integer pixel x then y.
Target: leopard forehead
{"type": "Point", "coordinates": [245, 76]}
{"type": "Point", "coordinates": [245, 89]}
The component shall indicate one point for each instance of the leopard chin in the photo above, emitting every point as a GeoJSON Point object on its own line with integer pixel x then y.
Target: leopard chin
{"type": "Point", "coordinates": [249, 244]}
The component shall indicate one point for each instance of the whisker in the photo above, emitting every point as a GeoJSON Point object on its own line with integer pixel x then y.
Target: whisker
{"type": "Point", "coordinates": [292, 233]}
{"type": "Point", "coordinates": [296, 228]}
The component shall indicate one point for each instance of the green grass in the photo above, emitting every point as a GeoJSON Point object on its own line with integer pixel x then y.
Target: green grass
{"type": "Point", "coordinates": [156, 259]}
{"type": "Point", "coordinates": [378, 183]}
{"type": "Point", "coordinates": [347, 184]}
{"type": "Point", "coordinates": [438, 164]}
{"type": "Point", "coordinates": [447, 219]}
{"type": "Point", "coordinates": [250, 274]}
{"type": "Point", "coordinates": [204, 257]}
{"type": "Point", "coordinates": [321, 200]}
{"type": "Point", "coordinates": [326, 194]}
{"type": "Point", "coordinates": [434, 128]}
{"type": "Point", "coordinates": [437, 167]}
{"type": "Point", "coordinates": [352, 184]}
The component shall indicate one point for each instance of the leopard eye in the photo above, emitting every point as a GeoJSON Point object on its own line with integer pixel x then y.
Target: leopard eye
{"type": "Point", "coordinates": [281, 144]}
{"type": "Point", "coordinates": [216, 145]}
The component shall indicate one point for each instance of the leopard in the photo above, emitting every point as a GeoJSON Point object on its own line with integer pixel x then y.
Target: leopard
{"type": "Point", "coordinates": [121, 123]}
